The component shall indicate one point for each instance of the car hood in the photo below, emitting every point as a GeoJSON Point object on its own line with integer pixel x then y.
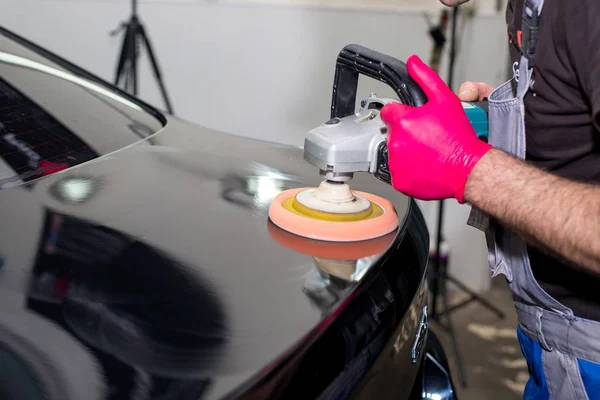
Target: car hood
{"type": "Point", "coordinates": [168, 241]}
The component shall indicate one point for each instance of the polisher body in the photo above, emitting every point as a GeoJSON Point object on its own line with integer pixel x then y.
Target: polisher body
{"type": "Point", "coordinates": [342, 146]}
{"type": "Point", "coordinates": [358, 142]}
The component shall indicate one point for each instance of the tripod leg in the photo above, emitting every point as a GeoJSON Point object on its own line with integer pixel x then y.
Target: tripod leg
{"type": "Point", "coordinates": [478, 298]}
{"type": "Point", "coordinates": [134, 28]}
{"type": "Point", "coordinates": [126, 66]}
{"type": "Point", "coordinates": [437, 260]}
{"type": "Point", "coordinates": [157, 73]}
{"type": "Point", "coordinates": [122, 57]}
{"type": "Point", "coordinates": [435, 285]}
{"type": "Point", "coordinates": [452, 333]}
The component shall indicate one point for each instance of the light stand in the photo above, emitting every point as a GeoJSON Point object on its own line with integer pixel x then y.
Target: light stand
{"type": "Point", "coordinates": [440, 276]}
{"type": "Point", "coordinates": [126, 70]}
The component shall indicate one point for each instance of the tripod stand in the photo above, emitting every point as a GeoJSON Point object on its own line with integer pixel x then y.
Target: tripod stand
{"type": "Point", "coordinates": [126, 71]}
{"type": "Point", "coordinates": [440, 276]}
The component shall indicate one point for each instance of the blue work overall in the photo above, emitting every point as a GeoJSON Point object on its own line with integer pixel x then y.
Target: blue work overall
{"type": "Point", "coordinates": [561, 349]}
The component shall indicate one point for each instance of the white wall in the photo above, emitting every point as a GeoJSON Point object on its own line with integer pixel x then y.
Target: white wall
{"type": "Point", "coordinates": [264, 68]}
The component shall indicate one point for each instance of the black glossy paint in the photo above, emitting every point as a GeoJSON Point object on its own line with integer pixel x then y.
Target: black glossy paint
{"type": "Point", "coordinates": [157, 265]}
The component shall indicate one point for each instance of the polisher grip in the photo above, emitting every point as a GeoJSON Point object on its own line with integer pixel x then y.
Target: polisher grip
{"type": "Point", "coordinates": [355, 59]}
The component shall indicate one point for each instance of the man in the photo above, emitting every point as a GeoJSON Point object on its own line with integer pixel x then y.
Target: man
{"type": "Point", "coordinates": [534, 188]}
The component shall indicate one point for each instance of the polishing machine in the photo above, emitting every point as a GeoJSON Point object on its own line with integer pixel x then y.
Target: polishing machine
{"type": "Point", "coordinates": [352, 141]}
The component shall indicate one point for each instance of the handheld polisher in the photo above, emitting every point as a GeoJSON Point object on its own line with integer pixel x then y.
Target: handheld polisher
{"type": "Point", "coordinates": [351, 142]}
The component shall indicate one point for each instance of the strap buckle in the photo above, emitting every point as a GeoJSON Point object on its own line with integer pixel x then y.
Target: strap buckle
{"type": "Point", "coordinates": [530, 27]}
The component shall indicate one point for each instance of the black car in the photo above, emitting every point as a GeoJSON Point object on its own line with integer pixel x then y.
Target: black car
{"type": "Point", "coordinates": [137, 260]}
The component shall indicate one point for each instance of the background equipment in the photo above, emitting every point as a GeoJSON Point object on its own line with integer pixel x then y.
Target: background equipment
{"type": "Point", "coordinates": [126, 71]}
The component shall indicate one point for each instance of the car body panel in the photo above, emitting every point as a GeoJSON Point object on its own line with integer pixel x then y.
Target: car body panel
{"type": "Point", "coordinates": [161, 260]}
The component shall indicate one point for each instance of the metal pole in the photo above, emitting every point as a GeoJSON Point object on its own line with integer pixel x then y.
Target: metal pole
{"type": "Point", "coordinates": [452, 48]}
{"type": "Point", "coordinates": [440, 220]}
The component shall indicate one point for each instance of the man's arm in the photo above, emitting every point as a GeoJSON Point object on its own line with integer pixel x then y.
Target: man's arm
{"type": "Point", "coordinates": [434, 154]}
{"type": "Point", "coordinates": [560, 215]}
{"type": "Point", "coordinates": [476, 91]}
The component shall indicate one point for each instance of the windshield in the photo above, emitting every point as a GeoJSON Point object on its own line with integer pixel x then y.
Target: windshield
{"type": "Point", "coordinates": [54, 116]}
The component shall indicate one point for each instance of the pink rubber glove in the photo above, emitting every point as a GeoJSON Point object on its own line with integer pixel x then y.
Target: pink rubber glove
{"type": "Point", "coordinates": [432, 148]}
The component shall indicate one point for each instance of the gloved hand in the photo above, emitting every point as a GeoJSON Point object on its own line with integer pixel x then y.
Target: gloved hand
{"type": "Point", "coordinates": [431, 148]}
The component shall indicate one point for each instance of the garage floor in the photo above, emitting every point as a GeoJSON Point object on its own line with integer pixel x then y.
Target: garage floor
{"type": "Point", "coordinates": [494, 365]}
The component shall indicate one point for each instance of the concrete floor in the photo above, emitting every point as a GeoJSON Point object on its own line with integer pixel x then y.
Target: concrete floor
{"type": "Point", "coordinates": [494, 366]}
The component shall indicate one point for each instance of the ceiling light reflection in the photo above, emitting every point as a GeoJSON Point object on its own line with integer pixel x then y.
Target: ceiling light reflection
{"type": "Point", "coordinates": [264, 188]}
{"type": "Point", "coordinates": [74, 189]}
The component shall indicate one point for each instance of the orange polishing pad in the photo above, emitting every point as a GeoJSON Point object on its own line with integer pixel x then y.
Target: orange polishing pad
{"type": "Point", "coordinates": [382, 220]}
{"type": "Point", "coordinates": [331, 250]}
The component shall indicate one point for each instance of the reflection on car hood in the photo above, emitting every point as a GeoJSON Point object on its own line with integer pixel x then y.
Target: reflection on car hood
{"type": "Point", "coordinates": [161, 257]}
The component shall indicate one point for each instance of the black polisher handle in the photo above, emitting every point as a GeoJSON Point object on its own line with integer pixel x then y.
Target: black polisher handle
{"type": "Point", "coordinates": [355, 59]}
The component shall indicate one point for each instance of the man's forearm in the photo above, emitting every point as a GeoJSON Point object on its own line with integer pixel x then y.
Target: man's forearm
{"type": "Point", "coordinates": [559, 214]}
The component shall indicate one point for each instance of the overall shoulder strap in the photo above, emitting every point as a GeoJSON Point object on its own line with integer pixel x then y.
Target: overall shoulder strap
{"type": "Point", "coordinates": [532, 9]}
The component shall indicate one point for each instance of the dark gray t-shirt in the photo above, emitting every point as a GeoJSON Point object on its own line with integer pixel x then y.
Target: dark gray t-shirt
{"type": "Point", "coordinates": [562, 120]}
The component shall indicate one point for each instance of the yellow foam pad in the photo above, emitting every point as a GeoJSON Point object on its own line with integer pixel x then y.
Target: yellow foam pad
{"type": "Point", "coordinates": [292, 205]}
